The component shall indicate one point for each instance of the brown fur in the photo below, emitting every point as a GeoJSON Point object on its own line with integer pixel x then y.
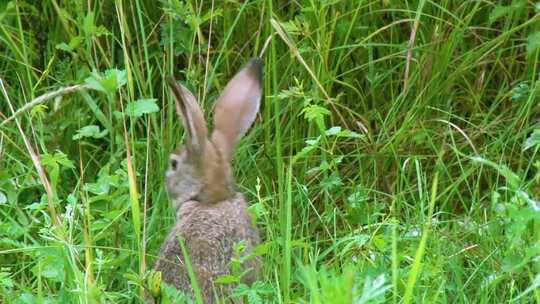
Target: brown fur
{"type": "Point", "coordinates": [210, 232]}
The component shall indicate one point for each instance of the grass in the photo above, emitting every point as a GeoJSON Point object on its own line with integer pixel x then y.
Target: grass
{"type": "Point", "coordinates": [395, 158]}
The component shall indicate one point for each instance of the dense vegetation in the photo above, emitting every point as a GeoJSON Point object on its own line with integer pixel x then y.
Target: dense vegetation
{"type": "Point", "coordinates": [395, 157]}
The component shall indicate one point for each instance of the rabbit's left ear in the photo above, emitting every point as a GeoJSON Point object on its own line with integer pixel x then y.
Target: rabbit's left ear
{"type": "Point", "coordinates": [192, 117]}
{"type": "Point", "coordinates": [237, 107]}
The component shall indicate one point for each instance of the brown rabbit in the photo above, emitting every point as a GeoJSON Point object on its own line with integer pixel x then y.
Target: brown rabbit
{"type": "Point", "coordinates": [210, 216]}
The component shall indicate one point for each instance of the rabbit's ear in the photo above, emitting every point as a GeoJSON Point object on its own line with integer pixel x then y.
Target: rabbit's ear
{"type": "Point", "coordinates": [191, 114]}
{"type": "Point", "coordinates": [237, 106]}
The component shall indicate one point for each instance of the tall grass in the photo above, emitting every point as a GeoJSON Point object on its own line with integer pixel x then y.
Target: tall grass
{"type": "Point", "coordinates": [395, 157]}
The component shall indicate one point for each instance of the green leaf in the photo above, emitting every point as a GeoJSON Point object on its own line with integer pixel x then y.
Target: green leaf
{"type": "Point", "coordinates": [356, 206]}
{"type": "Point", "coordinates": [373, 289]}
{"type": "Point", "coordinates": [227, 279]}
{"type": "Point", "coordinates": [311, 145]}
{"type": "Point", "coordinates": [338, 132]}
{"type": "Point", "coordinates": [6, 9]}
{"type": "Point", "coordinates": [533, 43]}
{"type": "Point", "coordinates": [108, 82]}
{"type": "Point", "coordinates": [92, 131]}
{"type": "Point", "coordinates": [104, 183]}
{"type": "Point", "coordinates": [291, 27]}
{"type": "Point", "coordinates": [254, 293]}
{"type": "Point", "coordinates": [513, 179]}
{"type": "Point", "coordinates": [498, 12]}
{"type": "Point", "coordinates": [3, 198]}
{"type": "Point", "coordinates": [533, 140]}
{"type": "Point", "coordinates": [314, 112]}
{"type": "Point", "coordinates": [26, 298]}
{"type": "Point", "coordinates": [333, 131]}
{"type": "Point", "coordinates": [533, 204]}
{"type": "Point", "coordinates": [331, 182]}
{"type": "Point", "coordinates": [357, 197]}
{"type": "Point", "coordinates": [349, 134]}
{"type": "Point", "coordinates": [101, 30]}
{"type": "Point", "coordinates": [88, 24]}
{"type": "Point", "coordinates": [142, 106]}
{"type": "Point", "coordinates": [63, 46]}
{"type": "Point", "coordinates": [154, 283]}
{"type": "Point", "coordinates": [90, 29]}
{"type": "Point", "coordinates": [39, 111]}
{"type": "Point", "coordinates": [169, 294]}
{"type": "Point", "coordinates": [501, 11]}
{"type": "Point", "coordinates": [520, 92]}
{"type": "Point", "coordinates": [58, 157]}
{"type": "Point", "coordinates": [511, 262]}
{"type": "Point", "coordinates": [174, 33]}
{"type": "Point", "coordinates": [73, 44]}
{"type": "Point", "coordinates": [5, 280]}
{"type": "Point", "coordinates": [53, 161]}
{"type": "Point", "coordinates": [260, 249]}
{"type": "Point", "coordinates": [50, 264]}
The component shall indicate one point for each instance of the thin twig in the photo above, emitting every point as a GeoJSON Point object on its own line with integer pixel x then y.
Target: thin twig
{"type": "Point", "coordinates": [37, 163]}
{"type": "Point", "coordinates": [461, 131]}
{"type": "Point", "coordinates": [43, 98]}
{"type": "Point", "coordinates": [265, 45]}
{"type": "Point", "coordinates": [412, 39]}
{"type": "Point", "coordinates": [409, 55]}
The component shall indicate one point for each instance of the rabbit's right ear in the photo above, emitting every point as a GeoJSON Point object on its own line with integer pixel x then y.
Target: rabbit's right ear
{"type": "Point", "coordinates": [237, 107]}
{"type": "Point", "coordinates": [192, 117]}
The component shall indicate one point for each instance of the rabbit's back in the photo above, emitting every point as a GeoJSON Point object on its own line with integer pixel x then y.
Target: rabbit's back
{"type": "Point", "coordinates": [210, 232]}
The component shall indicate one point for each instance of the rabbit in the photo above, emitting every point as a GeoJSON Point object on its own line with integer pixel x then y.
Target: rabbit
{"type": "Point", "coordinates": [211, 217]}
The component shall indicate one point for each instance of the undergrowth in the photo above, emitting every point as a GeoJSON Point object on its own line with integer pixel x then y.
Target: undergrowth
{"type": "Point", "coordinates": [394, 159]}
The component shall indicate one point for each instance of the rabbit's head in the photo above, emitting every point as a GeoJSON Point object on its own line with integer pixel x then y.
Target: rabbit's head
{"type": "Point", "coordinates": [200, 170]}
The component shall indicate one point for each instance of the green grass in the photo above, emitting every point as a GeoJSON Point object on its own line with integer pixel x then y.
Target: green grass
{"type": "Point", "coordinates": [395, 158]}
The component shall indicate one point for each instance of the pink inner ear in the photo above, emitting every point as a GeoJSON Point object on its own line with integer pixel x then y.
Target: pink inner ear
{"type": "Point", "coordinates": [242, 102]}
{"type": "Point", "coordinates": [237, 107]}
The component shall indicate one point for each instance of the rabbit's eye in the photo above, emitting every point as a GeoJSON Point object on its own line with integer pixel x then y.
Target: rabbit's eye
{"type": "Point", "coordinates": [174, 164]}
